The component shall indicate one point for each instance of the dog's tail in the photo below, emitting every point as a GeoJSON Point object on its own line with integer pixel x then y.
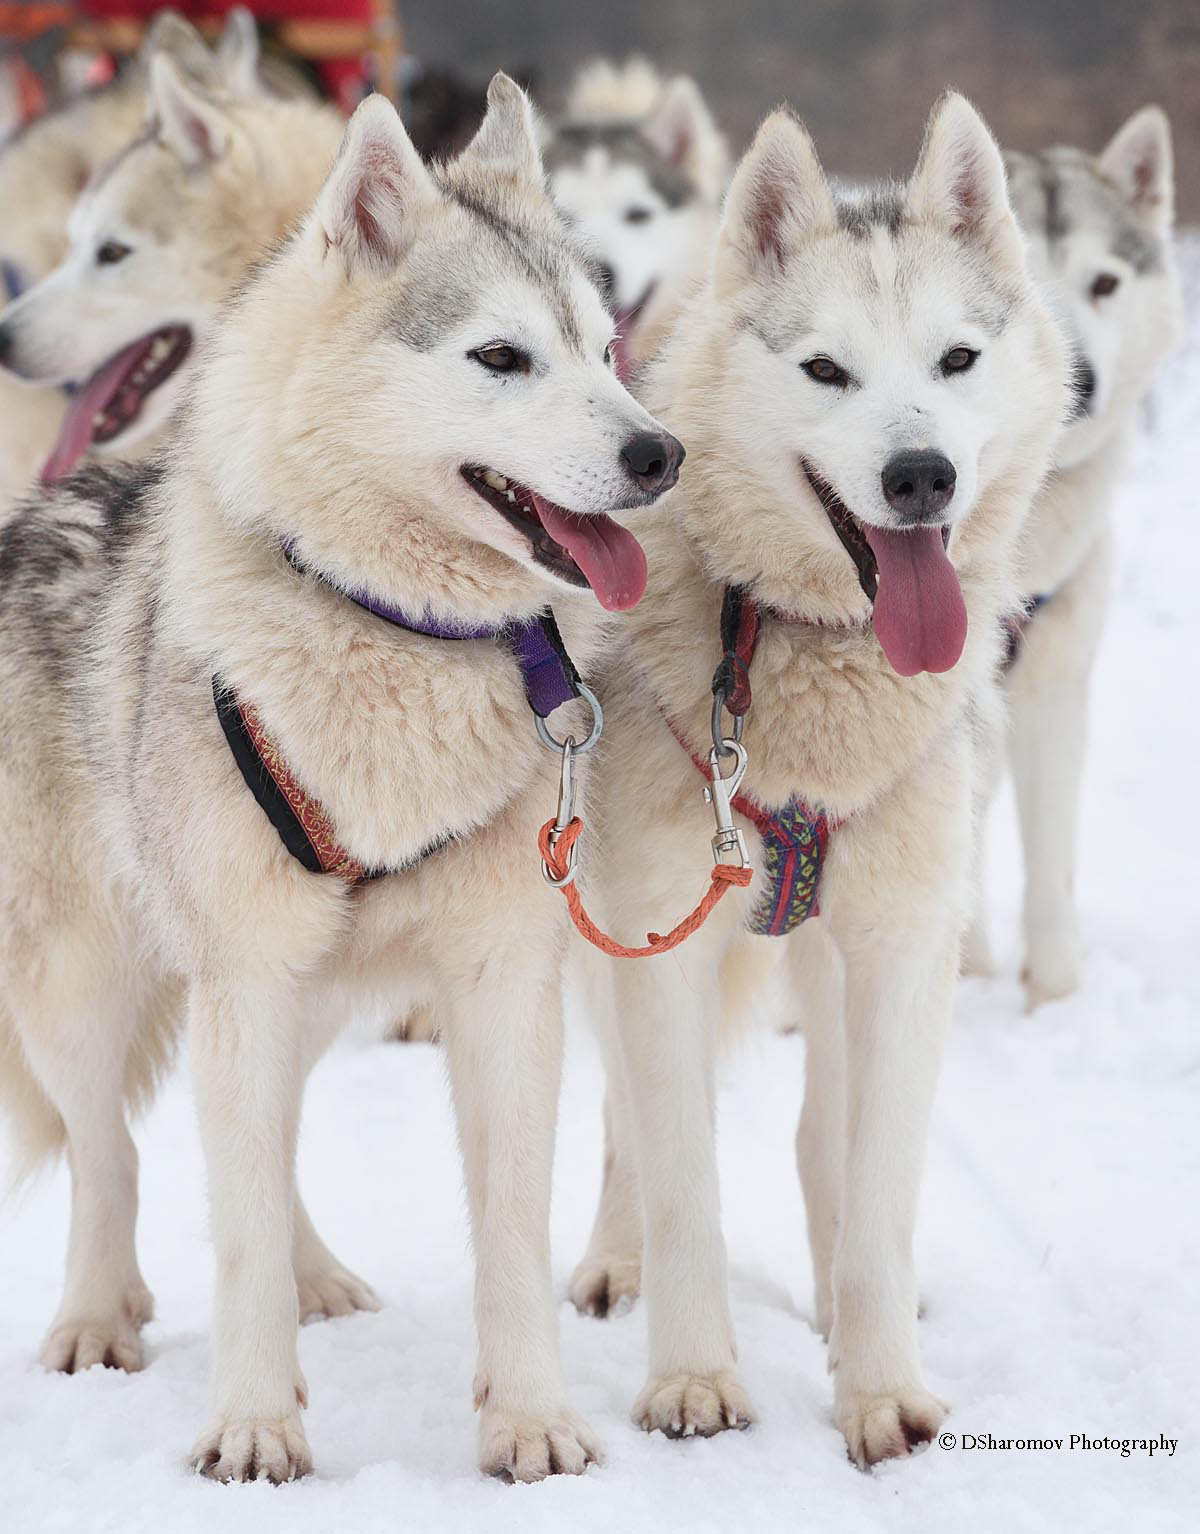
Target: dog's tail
{"type": "Point", "coordinates": [604, 92]}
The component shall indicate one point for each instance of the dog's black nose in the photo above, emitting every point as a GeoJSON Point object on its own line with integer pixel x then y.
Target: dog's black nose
{"type": "Point", "coordinates": [1084, 381]}
{"type": "Point", "coordinates": [653, 458]}
{"type": "Point", "coordinates": [919, 485]}
{"type": "Point", "coordinates": [606, 280]}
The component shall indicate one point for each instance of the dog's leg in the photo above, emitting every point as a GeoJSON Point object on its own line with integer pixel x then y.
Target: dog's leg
{"type": "Point", "coordinates": [79, 1061]}
{"type": "Point", "coordinates": [990, 727]}
{"type": "Point", "coordinates": [897, 1007]}
{"type": "Point", "coordinates": [1047, 692]}
{"type": "Point", "coordinates": [323, 1286]}
{"type": "Point", "coordinates": [505, 1061]}
{"type": "Point", "coordinates": [815, 969]}
{"type": "Point", "coordinates": [247, 1066]}
{"type": "Point", "coordinates": [610, 1272]}
{"type": "Point", "coordinates": [667, 1017]}
{"type": "Point", "coordinates": [1049, 731]}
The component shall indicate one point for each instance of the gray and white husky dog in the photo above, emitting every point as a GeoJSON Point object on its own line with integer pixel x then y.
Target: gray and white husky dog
{"type": "Point", "coordinates": [638, 165]}
{"type": "Point", "coordinates": [43, 172]}
{"type": "Point", "coordinates": [870, 386]}
{"type": "Point", "coordinates": [216, 172]}
{"type": "Point", "coordinates": [1099, 236]}
{"type": "Point", "coordinates": [410, 406]}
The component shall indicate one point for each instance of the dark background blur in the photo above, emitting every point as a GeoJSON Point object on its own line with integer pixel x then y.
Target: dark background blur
{"type": "Point", "coordinates": [863, 73]}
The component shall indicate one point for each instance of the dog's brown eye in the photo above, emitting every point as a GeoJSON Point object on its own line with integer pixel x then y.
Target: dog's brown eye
{"type": "Point", "coordinates": [111, 252]}
{"type": "Point", "coordinates": [502, 359]}
{"type": "Point", "coordinates": [825, 371]}
{"type": "Point", "coordinates": [958, 359]}
{"type": "Point", "coordinates": [1106, 283]}
{"type": "Point", "coordinates": [638, 215]}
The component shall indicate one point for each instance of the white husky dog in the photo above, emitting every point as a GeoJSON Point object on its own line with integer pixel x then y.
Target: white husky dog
{"type": "Point", "coordinates": [266, 740]}
{"type": "Point", "coordinates": [639, 166]}
{"type": "Point", "coordinates": [869, 386]}
{"type": "Point", "coordinates": [1099, 235]}
{"type": "Point", "coordinates": [42, 173]}
{"type": "Point", "coordinates": [165, 230]}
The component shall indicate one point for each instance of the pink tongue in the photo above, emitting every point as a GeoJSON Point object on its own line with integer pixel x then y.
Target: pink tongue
{"type": "Point", "coordinates": [610, 557]}
{"type": "Point", "coordinates": [75, 434]}
{"type": "Point", "coordinates": [920, 617]}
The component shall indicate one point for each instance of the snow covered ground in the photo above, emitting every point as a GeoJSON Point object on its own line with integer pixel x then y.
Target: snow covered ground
{"type": "Point", "coordinates": [1058, 1248]}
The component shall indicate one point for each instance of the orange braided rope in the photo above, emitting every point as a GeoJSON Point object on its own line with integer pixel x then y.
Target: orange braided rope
{"type": "Point", "coordinates": [556, 856]}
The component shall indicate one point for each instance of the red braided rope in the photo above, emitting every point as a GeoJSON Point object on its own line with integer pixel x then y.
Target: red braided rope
{"type": "Point", "coordinates": [557, 855]}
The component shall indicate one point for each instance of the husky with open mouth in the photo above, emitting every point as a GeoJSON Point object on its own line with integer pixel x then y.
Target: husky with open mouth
{"type": "Point", "coordinates": [638, 165]}
{"type": "Point", "coordinates": [1099, 234]}
{"type": "Point", "coordinates": [269, 738]}
{"type": "Point", "coordinates": [870, 387]}
{"type": "Point", "coordinates": [44, 170]}
{"type": "Point", "coordinates": [163, 232]}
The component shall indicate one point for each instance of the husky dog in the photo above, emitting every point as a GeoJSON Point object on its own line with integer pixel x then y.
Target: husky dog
{"type": "Point", "coordinates": [640, 167]}
{"type": "Point", "coordinates": [1099, 236]}
{"type": "Point", "coordinates": [41, 176]}
{"type": "Point", "coordinates": [364, 426]}
{"type": "Point", "coordinates": [869, 385]}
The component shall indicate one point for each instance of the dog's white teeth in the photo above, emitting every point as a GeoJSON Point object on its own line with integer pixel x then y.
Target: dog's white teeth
{"type": "Point", "coordinates": [160, 349]}
{"type": "Point", "coordinates": [512, 495]}
{"type": "Point", "coordinates": [497, 481]}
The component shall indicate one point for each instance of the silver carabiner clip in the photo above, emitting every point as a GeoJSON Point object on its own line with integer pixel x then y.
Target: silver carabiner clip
{"type": "Point", "coordinates": [566, 811]}
{"type": "Point", "coordinates": [728, 845]}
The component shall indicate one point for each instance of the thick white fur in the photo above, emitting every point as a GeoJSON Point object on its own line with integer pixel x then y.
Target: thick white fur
{"type": "Point", "coordinates": [1066, 554]}
{"type": "Point", "coordinates": [831, 722]}
{"type": "Point", "coordinates": [314, 421]}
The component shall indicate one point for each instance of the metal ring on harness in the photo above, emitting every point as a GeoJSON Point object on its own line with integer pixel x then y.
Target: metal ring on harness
{"type": "Point", "coordinates": [593, 702]}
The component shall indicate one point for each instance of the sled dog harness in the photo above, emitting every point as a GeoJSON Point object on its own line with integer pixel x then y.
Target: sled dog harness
{"type": "Point", "coordinates": [301, 821]}
{"type": "Point", "coordinates": [794, 838]}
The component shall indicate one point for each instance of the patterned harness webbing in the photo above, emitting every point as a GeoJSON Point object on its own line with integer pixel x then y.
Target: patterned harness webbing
{"type": "Point", "coordinates": [301, 821]}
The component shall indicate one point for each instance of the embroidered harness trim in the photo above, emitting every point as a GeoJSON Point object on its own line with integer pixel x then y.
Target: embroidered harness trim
{"type": "Point", "coordinates": [301, 821]}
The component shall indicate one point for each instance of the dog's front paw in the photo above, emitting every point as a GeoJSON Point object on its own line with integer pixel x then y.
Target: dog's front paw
{"type": "Point", "coordinates": [529, 1447]}
{"type": "Point", "coordinates": [108, 1336]}
{"type": "Point", "coordinates": [605, 1285]}
{"type": "Point", "coordinates": [333, 1291]}
{"type": "Point", "coordinates": [888, 1426]}
{"type": "Point", "coordinates": [683, 1405]}
{"type": "Point", "coordinates": [1052, 962]}
{"type": "Point", "coordinates": [254, 1449]}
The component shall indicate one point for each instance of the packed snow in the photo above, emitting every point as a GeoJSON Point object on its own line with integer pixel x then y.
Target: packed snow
{"type": "Point", "coordinates": [1058, 1244]}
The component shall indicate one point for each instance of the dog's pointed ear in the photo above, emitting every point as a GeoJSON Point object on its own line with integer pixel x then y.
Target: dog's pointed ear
{"type": "Point", "coordinates": [237, 53]}
{"type": "Point", "coordinates": [508, 135]}
{"type": "Point", "coordinates": [170, 36]}
{"type": "Point", "coordinates": [191, 125]}
{"type": "Point", "coordinates": [959, 181]}
{"type": "Point", "coordinates": [377, 186]}
{"type": "Point", "coordinates": [683, 131]}
{"type": "Point", "coordinates": [679, 120]}
{"type": "Point", "coordinates": [779, 194]}
{"type": "Point", "coordinates": [1139, 162]}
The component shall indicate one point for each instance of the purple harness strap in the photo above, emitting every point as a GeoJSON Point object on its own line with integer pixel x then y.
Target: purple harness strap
{"type": "Point", "coordinates": [547, 670]}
